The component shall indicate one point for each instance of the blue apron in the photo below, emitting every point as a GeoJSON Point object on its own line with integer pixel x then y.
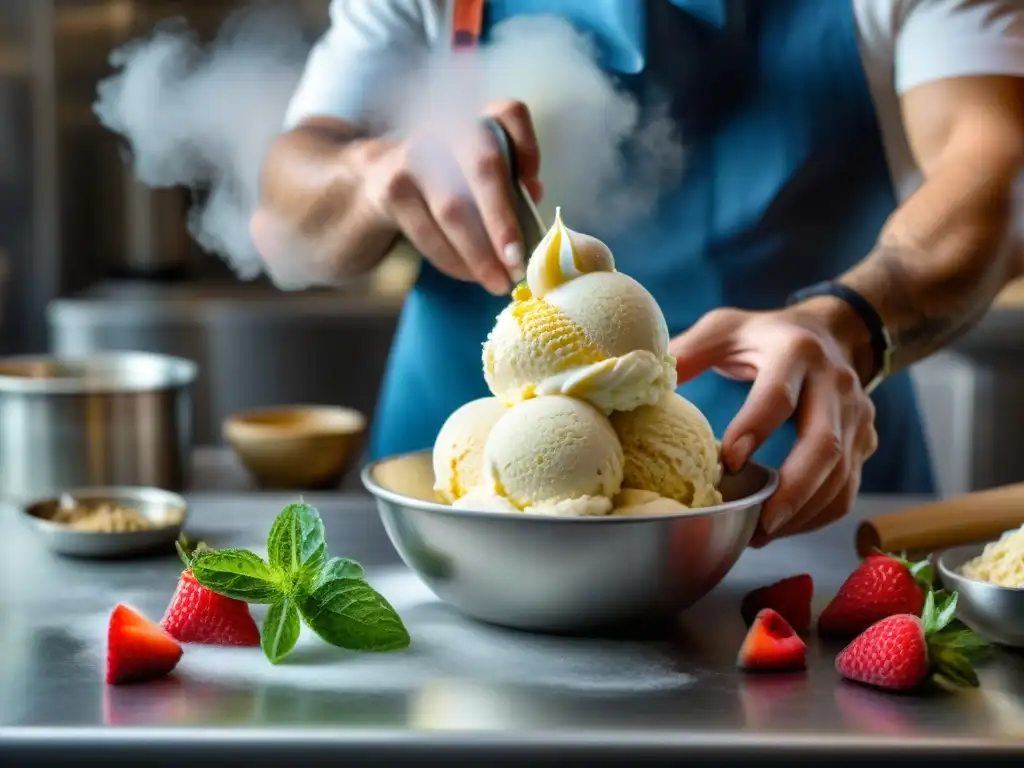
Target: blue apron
{"type": "Point", "coordinates": [786, 184]}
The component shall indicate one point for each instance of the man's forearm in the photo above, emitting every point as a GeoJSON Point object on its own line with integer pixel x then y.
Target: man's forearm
{"type": "Point", "coordinates": [311, 204]}
{"type": "Point", "coordinates": [941, 259]}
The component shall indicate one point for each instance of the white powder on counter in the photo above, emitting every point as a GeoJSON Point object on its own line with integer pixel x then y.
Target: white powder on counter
{"type": "Point", "coordinates": [445, 647]}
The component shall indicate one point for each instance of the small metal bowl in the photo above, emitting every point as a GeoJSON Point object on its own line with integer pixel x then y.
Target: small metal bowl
{"type": "Point", "coordinates": [996, 613]}
{"type": "Point", "coordinates": [167, 511]}
{"type": "Point", "coordinates": [563, 575]}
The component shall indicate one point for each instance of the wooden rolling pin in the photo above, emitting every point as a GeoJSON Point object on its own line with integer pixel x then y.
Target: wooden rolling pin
{"type": "Point", "coordinates": [968, 519]}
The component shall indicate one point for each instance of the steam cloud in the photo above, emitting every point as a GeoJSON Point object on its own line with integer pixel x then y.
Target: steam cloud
{"type": "Point", "coordinates": [203, 118]}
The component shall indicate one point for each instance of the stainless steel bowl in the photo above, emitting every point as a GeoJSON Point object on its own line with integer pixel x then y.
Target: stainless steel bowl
{"type": "Point", "coordinates": [114, 419]}
{"type": "Point", "coordinates": [563, 574]}
{"type": "Point", "coordinates": [996, 613]}
{"type": "Point", "coordinates": [167, 511]}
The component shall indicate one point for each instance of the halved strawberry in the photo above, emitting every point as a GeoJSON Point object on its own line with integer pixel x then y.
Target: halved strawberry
{"type": "Point", "coordinates": [137, 649]}
{"type": "Point", "coordinates": [790, 598]}
{"type": "Point", "coordinates": [200, 615]}
{"type": "Point", "coordinates": [771, 645]}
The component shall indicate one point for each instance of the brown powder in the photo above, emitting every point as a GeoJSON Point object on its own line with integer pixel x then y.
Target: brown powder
{"type": "Point", "coordinates": [102, 517]}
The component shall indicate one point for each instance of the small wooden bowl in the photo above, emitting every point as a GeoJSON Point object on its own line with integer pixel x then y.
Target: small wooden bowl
{"type": "Point", "coordinates": [303, 447]}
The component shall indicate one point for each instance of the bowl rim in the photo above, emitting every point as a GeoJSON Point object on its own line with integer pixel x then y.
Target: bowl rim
{"type": "Point", "coordinates": [240, 421]}
{"type": "Point", "coordinates": [966, 551]}
{"type": "Point", "coordinates": [112, 492]}
{"type": "Point", "coordinates": [366, 475]}
{"type": "Point", "coordinates": [173, 372]}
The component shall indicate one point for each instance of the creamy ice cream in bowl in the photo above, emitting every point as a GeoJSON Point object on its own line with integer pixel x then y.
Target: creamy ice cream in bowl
{"type": "Point", "coordinates": [584, 491]}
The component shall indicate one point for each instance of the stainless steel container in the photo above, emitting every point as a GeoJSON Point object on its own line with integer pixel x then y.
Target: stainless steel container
{"type": "Point", "coordinates": [996, 613]}
{"type": "Point", "coordinates": [166, 512]}
{"type": "Point", "coordinates": [121, 419]}
{"type": "Point", "coordinates": [561, 574]}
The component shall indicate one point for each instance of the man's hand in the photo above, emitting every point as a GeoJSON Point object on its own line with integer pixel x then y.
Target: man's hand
{"type": "Point", "coordinates": [333, 201]}
{"type": "Point", "coordinates": [801, 370]}
{"type": "Point", "coordinates": [450, 197]}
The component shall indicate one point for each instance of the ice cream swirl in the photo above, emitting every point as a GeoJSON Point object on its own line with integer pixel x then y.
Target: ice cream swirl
{"type": "Point", "coordinates": [564, 255]}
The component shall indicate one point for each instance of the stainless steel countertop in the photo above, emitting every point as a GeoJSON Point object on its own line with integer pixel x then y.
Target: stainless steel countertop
{"type": "Point", "coordinates": [463, 690]}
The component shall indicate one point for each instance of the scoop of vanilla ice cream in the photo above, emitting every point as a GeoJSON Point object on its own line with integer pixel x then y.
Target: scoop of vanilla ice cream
{"type": "Point", "coordinates": [483, 499]}
{"type": "Point", "coordinates": [670, 449]}
{"type": "Point", "coordinates": [632, 502]}
{"type": "Point", "coordinates": [459, 447]}
{"type": "Point", "coordinates": [579, 329]}
{"type": "Point", "coordinates": [553, 455]}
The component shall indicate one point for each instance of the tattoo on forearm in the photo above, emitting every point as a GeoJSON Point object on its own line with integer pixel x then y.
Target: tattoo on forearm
{"type": "Point", "coordinates": [920, 328]}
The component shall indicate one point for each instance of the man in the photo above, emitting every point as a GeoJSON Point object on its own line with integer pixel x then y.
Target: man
{"type": "Point", "coordinates": [846, 210]}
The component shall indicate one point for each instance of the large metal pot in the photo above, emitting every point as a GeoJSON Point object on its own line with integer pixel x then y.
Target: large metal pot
{"type": "Point", "coordinates": [109, 419]}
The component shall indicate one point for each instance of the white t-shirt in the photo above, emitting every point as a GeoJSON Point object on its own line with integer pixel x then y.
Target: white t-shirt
{"type": "Point", "coordinates": [903, 43]}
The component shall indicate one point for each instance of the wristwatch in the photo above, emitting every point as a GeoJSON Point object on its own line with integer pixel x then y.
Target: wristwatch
{"type": "Point", "coordinates": [881, 340]}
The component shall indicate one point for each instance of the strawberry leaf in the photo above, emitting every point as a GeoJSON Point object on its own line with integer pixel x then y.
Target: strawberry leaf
{"type": "Point", "coordinates": [951, 650]}
{"type": "Point", "coordinates": [928, 614]}
{"type": "Point", "coordinates": [947, 611]}
{"type": "Point", "coordinates": [965, 642]}
{"type": "Point", "coordinates": [955, 668]}
{"type": "Point", "coordinates": [188, 550]}
{"type": "Point", "coordinates": [923, 573]}
{"type": "Point", "coordinates": [181, 546]}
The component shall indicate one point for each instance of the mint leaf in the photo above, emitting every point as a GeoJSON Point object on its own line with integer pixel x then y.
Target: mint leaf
{"type": "Point", "coordinates": [351, 614]}
{"type": "Point", "coordinates": [340, 568]}
{"type": "Point", "coordinates": [237, 573]}
{"type": "Point", "coordinates": [296, 543]}
{"type": "Point", "coordinates": [280, 630]}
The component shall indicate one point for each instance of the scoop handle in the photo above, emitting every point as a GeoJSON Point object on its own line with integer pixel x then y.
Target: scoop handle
{"type": "Point", "coordinates": [531, 225]}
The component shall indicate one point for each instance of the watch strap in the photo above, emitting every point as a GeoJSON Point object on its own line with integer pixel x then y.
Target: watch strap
{"type": "Point", "coordinates": [881, 341]}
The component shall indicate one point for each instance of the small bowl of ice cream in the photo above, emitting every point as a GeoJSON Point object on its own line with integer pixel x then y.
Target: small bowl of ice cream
{"type": "Point", "coordinates": [584, 491]}
{"type": "Point", "coordinates": [989, 581]}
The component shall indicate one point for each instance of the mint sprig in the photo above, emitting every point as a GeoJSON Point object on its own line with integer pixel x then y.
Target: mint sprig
{"type": "Point", "coordinates": [303, 585]}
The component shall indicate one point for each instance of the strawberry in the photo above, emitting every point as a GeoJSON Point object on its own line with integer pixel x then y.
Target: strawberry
{"type": "Point", "coordinates": [881, 586]}
{"type": "Point", "coordinates": [137, 649]}
{"type": "Point", "coordinates": [901, 652]}
{"type": "Point", "coordinates": [200, 615]}
{"type": "Point", "coordinates": [790, 598]}
{"type": "Point", "coordinates": [771, 645]}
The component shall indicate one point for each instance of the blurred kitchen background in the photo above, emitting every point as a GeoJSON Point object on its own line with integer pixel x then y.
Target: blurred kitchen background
{"type": "Point", "coordinates": [93, 261]}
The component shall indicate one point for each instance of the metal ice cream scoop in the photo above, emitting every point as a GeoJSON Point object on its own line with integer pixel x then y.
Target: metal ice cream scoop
{"type": "Point", "coordinates": [531, 226]}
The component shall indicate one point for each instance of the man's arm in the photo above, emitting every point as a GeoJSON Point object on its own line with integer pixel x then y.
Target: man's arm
{"type": "Point", "coordinates": [947, 251]}
{"type": "Point", "coordinates": [312, 207]}
{"type": "Point", "coordinates": [313, 224]}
